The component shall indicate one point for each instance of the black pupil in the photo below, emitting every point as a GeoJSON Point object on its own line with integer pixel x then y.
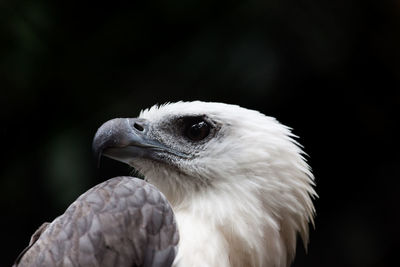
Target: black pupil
{"type": "Point", "coordinates": [198, 131]}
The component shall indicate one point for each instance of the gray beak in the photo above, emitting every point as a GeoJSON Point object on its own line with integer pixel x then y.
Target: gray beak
{"type": "Point", "coordinates": [124, 140]}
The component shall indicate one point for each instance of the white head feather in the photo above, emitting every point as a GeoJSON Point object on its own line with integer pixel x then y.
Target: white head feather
{"type": "Point", "coordinates": [244, 196]}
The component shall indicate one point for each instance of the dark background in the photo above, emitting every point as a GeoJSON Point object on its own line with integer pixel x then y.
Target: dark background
{"type": "Point", "coordinates": [329, 69]}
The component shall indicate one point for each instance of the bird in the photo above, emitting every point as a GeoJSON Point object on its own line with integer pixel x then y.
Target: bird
{"type": "Point", "coordinates": [236, 181]}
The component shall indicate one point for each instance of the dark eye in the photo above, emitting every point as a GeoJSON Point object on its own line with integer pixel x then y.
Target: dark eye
{"type": "Point", "coordinates": [197, 131]}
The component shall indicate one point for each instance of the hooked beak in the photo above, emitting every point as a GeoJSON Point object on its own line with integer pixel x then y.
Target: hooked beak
{"type": "Point", "coordinates": [126, 139]}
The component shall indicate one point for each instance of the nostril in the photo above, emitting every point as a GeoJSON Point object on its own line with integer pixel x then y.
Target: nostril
{"type": "Point", "coordinates": [138, 127]}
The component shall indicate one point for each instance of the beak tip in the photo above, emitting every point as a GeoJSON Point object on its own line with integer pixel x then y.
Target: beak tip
{"type": "Point", "coordinates": [97, 148]}
{"type": "Point", "coordinates": [97, 156]}
{"type": "Point", "coordinates": [98, 163]}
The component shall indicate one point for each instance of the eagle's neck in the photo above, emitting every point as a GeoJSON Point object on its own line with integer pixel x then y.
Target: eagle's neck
{"type": "Point", "coordinates": [221, 227]}
{"type": "Point", "coordinates": [247, 218]}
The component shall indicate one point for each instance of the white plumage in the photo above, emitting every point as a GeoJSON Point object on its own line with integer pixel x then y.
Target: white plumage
{"type": "Point", "coordinates": [244, 196]}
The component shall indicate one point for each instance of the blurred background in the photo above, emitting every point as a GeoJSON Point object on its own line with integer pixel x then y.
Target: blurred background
{"type": "Point", "coordinates": [328, 69]}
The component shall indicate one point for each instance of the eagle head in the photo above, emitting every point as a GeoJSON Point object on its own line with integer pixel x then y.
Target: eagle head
{"type": "Point", "coordinates": [238, 169]}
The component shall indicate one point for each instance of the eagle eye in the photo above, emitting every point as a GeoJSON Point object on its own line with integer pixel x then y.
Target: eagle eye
{"type": "Point", "coordinates": [198, 130]}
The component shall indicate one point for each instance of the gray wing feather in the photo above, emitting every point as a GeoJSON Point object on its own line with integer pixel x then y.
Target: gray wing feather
{"type": "Point", "coordinates": [121, 222]}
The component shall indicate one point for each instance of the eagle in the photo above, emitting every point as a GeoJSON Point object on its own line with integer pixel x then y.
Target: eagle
{"type": "Point", "coordinates": [224, 186]}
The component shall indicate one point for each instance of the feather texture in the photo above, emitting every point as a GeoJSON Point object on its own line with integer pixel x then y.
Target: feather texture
{"type": "Point", "coordinates": [121, 222]}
